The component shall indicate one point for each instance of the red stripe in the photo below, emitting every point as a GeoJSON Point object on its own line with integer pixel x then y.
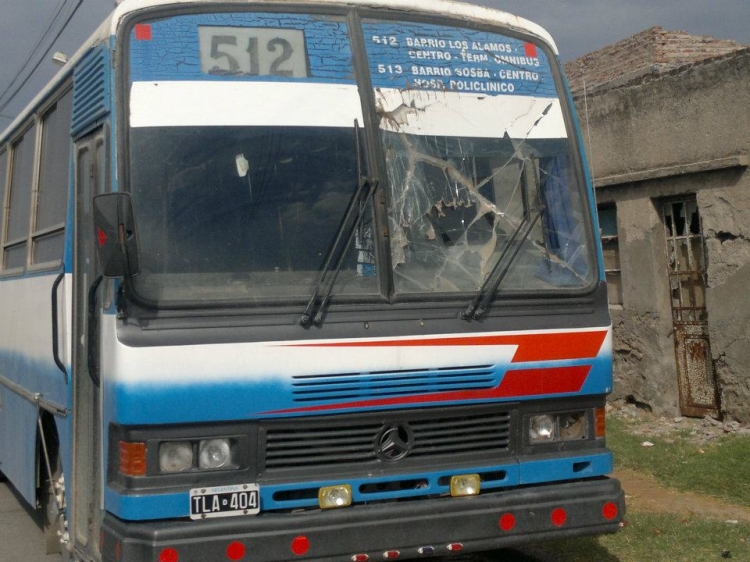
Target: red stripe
{"type": "Point", "coordinates": [515, 384]}
{"type": "Point", "coordinates": [531, 347]}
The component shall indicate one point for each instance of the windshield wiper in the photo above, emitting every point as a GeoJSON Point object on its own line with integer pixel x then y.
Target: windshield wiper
{"type": "Point", "coordinates": [487, 291]}
{"type": "Point", "coordinates": [342, 240]}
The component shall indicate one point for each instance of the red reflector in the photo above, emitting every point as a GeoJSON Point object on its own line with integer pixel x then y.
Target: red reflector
{"type": "Point", "coordinates": [530, 49]}
{"type": "Point", "coordinates": [609, 511]}
{"type": "Point", "coordinates": [391, 554]}
{"type": "Point", "coordinates": [455, 547]}
{"type": "Point", "coordinates": [101, 236]}
{"type": "Point", "coordinates": [360, 558]}
{"type": "Point", "coordinates": [300, 545]}
{"type": "Point", "coordinates": [143, 32]}
{"type": "Point", "coordinates": [507, 522]}
{"type": "Point", "coordinates": [168, 555]}
{"type": "Point", "coordinates": [236, 550]}
{"type": "Point", "coordinates": [559, 517]}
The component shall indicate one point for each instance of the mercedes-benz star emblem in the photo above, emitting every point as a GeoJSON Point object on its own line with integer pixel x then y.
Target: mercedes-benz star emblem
{"type": "Point", "coordinates": [394, 441]}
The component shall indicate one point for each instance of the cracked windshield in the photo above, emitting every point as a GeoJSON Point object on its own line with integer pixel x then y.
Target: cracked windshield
{"type": "Point", "coordinates": [481, 185]}
{"type": "Point", "coordinates": [246, 147]}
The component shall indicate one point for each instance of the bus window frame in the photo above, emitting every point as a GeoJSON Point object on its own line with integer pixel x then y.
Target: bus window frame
{"type": "Point", "coordinates": [34, 234]}
{"type": "Point", "coordinates": [14, 140]}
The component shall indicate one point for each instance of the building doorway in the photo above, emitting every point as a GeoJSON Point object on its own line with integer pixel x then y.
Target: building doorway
{"type": "Point", "coordinates": [686, 269]}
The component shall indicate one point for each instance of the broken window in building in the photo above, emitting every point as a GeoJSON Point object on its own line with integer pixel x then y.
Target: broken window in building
{"type": "Point", "coordinates": [611, 252]}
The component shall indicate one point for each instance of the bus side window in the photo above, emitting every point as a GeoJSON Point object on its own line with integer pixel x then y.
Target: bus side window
{"type": "Point", "coordinates": [19, 201]}
{"type": "Point", "coordinates": [52, 194]}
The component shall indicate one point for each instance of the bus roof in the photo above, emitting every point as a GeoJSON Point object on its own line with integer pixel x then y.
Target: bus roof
{"type": "Point", "coordinates": [108, 28]}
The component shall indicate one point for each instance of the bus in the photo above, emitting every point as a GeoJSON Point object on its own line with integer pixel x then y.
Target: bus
{"type": "Point", "coordinates": [308, 280]}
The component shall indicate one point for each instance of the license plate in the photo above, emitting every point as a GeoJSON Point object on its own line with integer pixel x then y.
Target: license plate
{"type": "Point", "coordinates": [224, 501]}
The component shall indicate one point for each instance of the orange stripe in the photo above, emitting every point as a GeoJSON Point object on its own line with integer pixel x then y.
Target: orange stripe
{"type": "Point", "coordinates": [531, 347]}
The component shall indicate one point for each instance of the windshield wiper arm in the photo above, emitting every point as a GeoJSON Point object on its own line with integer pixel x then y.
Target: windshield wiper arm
{"type": "Point", "coordinates": [324, 287]}
{"type": "Point", "coordinates": [478, 306]}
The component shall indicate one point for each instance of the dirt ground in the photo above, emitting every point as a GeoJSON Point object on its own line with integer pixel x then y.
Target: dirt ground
{"type": "Point", "coordinates": [643, 494]}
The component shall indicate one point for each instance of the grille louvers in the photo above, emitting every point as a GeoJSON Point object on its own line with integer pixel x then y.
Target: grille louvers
{"type": "Point", "coordinates": [333, 444]}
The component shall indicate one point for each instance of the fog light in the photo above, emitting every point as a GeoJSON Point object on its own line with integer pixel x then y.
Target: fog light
{"type": "Point", "coordinates": [573, 426]}
{"type": "Point", "coordinates": [465, 485]}
{"type": "Point", "coordinates": [541, 428]}
{"type": "Point", "coordinates": [175, 456]}
{"type": "Point", "coordinates": [332, 497]}
{"type": "Point", "coordinates": [215, 453]}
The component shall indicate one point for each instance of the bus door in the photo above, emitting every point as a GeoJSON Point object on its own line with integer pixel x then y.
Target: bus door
{"type": "Point", "coordinates": [85, 493]}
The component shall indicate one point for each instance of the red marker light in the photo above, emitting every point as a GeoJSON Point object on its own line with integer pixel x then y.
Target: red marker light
{"type": "Point", "coordinates": [507, 522]}
{"type": "Point", "coordinates": [300, 545]}
{"type": "Point", "coordinates": [169, 555]}
{"type": "Point", "coordinates": [360, 558]}
{"type": "Point", "coordinates": [609, 511]}
{"type": "Point", "coordinates": [143, 32]}
{"type": "Point", "coordinates": [391, 554]}
{"type": "Point", "coordinates": [530, 49]}
{"type": "Point", "coordinates": [455, 547]}
{"type": "Point", "coordinates": [559, 517]}
{"type": "Point", "coordinates": [236, 551]}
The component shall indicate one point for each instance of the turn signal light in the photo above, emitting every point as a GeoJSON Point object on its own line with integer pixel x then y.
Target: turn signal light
{"type": "Point", "coordinates": [132, 458]}
{"type": "Point", "coordinates": [601, 422]}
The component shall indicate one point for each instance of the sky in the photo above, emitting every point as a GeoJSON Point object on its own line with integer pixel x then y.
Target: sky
{"type": "Point", "coordinates": [578, 27]}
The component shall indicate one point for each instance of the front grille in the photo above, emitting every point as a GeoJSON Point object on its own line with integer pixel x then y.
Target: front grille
{"type": "Point", "coordinates": [337, 442]}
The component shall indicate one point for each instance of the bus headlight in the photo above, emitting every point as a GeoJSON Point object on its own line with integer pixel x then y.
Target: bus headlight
{"type": "Point", "coordinates": [573, 426]}
{"type": "Point", "coordinates": [214, 454]}
{"type": "Point", "coordinates": [542, 428]}
{"type": "Point", "coordinates": [565, 426]}
{"type": "Point", "coordinates": [175, 456]}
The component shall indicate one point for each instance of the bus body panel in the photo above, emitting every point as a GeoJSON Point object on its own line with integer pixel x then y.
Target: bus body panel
{"type": "Point", "coordinates": [28, 370]}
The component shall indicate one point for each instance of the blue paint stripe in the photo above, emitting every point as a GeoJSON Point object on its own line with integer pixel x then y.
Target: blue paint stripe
{"type": "Point", "coordinates": [176, 505]}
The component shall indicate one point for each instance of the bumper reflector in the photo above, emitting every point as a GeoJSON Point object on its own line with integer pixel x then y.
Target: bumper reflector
{"type": "Point", "coordinates": [507, 522]}
{"type": "Point", "coordinates": [559, 517]}
{"type": "Point", "coordinates": [236, 550]}
{"type": "Point", "coordinates": [331, 497]}
{"type": "Point", "coordinates": [300, 545]}
{"type": "Point", "coordinates": [609, 511]}
{"type": "Point", "coordinates": [169, 555]}
{"type": "Point", "coordinates": [465, 485]}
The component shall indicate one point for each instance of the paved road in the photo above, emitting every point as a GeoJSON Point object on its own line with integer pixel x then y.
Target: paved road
{"type": "Point", "coordinates": [21, 538]}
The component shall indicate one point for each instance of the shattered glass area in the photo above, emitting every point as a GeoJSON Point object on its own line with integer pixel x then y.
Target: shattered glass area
{"type": "Point", "coordinates": [457, 202]}
{"type": "Point", "coordinates": [483, 188]}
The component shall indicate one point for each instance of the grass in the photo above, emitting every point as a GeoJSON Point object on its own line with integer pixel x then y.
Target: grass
{"type": "Point", "coordinates": [655, 538]}
{"type": "Point", "coordinates": [720, 468]}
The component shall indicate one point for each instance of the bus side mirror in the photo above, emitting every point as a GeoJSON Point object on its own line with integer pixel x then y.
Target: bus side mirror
{"type": "Point", "coordinates": [114, 234]}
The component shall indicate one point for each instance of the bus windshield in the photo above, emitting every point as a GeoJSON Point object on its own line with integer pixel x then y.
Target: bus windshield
{"type": "Point", "coordinates": [243, 159]}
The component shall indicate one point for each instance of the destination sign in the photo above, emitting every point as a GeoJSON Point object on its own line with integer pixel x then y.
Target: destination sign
{"type": "Point", "coordinates": [435, 57]}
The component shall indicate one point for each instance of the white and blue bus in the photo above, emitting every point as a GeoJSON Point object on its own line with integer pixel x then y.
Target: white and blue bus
{"type": "Point", "coordinates": [308, 280]}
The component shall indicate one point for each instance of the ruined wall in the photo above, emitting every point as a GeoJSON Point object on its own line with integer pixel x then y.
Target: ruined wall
{"type": "Point", "coordinates": [684, 132]}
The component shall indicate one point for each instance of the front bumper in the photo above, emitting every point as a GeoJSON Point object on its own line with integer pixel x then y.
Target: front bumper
{"type": "Point", "coordinates": [414, 529]}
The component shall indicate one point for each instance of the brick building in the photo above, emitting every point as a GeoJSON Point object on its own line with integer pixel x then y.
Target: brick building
{"type": "Point", "coordinates": [666, 122]}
